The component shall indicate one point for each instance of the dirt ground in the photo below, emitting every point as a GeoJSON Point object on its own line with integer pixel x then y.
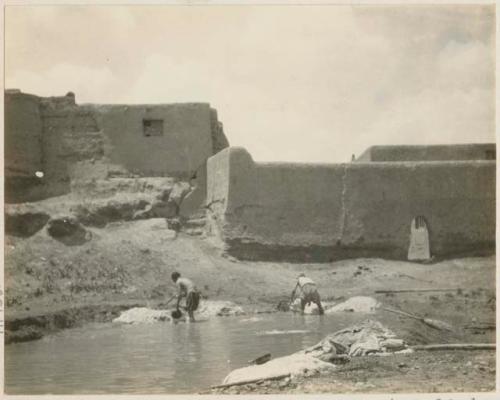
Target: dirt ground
{"type": "Point", "coordinates": [51, 286]}
{"type": "Point", "coordinates": [421, 372]}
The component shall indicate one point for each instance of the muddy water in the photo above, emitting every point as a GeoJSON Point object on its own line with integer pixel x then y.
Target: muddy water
{"type": "Point", "coordinates": [157, 358]}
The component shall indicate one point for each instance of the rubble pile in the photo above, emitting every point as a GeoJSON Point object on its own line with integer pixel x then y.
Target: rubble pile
{"type": "Point", "coordinates": [105, 202]}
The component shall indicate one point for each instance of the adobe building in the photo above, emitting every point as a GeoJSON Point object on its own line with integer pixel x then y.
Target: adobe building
{"type": "Point", "coordinates": [50, 141]}
{"type": "Point", "coordinates": [400, 202]}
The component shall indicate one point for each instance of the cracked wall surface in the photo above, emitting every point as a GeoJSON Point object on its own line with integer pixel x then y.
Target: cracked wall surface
{"type": "Point", "coordinates": [23, 121]}
{"type": "Point", "coordinates": [322, 212]}
{"type": "Point", "coordinates": [70, 142]}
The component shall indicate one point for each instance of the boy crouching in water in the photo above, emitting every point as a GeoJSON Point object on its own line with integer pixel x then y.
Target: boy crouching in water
{"type": "Point", "coordinates": [188, 290]}
{"type": "Point", "coordinates": [308, 293]}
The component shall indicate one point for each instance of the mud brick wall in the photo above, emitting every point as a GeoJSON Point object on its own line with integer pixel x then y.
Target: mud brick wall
{"type": "Point", "coordinates": [23, 147]}
{"type": "Point", "coordinates": [70, 135]}
{"type": "Point", "coordinates": [219, 140]}
{"type": "Point", "coordinates": [69, 142]}
{"type": "Point", "coordinates": [485, 151]}
{"type": "Point", "coordinates": [184, 145]}
{"type": "Point", "coordinates": [23, 135]}
{"type": "Point", "coordinates": [321, 212]}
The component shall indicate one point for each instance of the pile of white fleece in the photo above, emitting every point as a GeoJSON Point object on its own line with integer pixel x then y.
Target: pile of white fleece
{"type": "Point", "coordinates": [143, 315]}
{"type": "Point", "coordinates": [208, 309]}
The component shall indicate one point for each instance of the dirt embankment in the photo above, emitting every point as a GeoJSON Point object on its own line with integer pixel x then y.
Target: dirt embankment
{"type": "Point", "coordinates": [52, 285]}
{"type": "Point", "coordinates": [112, 244]}
{"type": "Point", "coordinates": [89, 256]}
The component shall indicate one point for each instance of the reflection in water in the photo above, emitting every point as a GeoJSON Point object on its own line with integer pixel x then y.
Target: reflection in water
{"type": "Point", "coordinates": [156, 358]}
{"type": "Point", "coordinates": [286, 332]}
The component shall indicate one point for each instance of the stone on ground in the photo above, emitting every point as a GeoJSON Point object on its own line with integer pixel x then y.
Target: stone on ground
{"type": "Point", "coordinates": [24, 222]}
{"type": "Point", "coordinates": [68, 230]}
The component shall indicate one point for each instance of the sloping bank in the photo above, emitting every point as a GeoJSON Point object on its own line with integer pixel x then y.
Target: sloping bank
{"type": "Point", "coordinates": [29, 328]}
{"type": "Point", "coordinates": [33, 327]}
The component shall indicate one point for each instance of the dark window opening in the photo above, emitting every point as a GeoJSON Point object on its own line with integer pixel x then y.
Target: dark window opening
{"type": "Point", "coordinates": [491, 154]}
{"type": "Point", "coordinates": [152, 127]}
{"type": "Point", "coordinates": [420, 222]}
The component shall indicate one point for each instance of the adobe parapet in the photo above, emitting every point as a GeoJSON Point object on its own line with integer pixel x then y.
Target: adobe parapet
{"type": "Point", "coordinates": [324, 212]}
{"type": "Point", "coordinates": [423, 153]}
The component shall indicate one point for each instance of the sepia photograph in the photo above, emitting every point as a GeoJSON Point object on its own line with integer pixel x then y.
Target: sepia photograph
{"type": "Point", "coordinates": [228, 199]}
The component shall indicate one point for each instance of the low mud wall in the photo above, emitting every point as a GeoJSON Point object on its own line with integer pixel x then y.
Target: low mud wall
{"type": "Point", "coordinates": [323, 212]}
{"type": "Point", "coordinates": [455, 152]}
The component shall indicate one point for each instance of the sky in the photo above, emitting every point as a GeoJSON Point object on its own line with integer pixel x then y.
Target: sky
{"type": "Point", "coordinates": [290, 83]}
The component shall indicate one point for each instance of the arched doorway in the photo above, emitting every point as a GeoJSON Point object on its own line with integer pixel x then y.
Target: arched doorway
{"type": "Point", "coordinates": [419, 249]}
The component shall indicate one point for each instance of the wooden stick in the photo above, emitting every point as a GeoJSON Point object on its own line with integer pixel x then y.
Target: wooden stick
{"type": "Point", "coordinates": [433, 323]}
{"type": "Point", "coordinates": [167, 303]}
{"type": "Point", "coordinates": [413, 277]}
{"type": "Point", "coordinates": [271, 378]}
{"type": "Point", "coordinates": [481, 327]}
{"type": "Point", "coordinates": [456, 346]}
{"type": "Point", "coordinates": [415, 290]}
{"type": "Point", "coordinates": [402, 313]}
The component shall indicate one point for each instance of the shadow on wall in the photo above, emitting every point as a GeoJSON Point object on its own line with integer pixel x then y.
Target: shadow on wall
{"type": "Point", "coordinates": [19, 189]}
{"type": "Point", "coordinates": [253, 251]}
{"type": "Point", "coordinates": [193, 204]}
